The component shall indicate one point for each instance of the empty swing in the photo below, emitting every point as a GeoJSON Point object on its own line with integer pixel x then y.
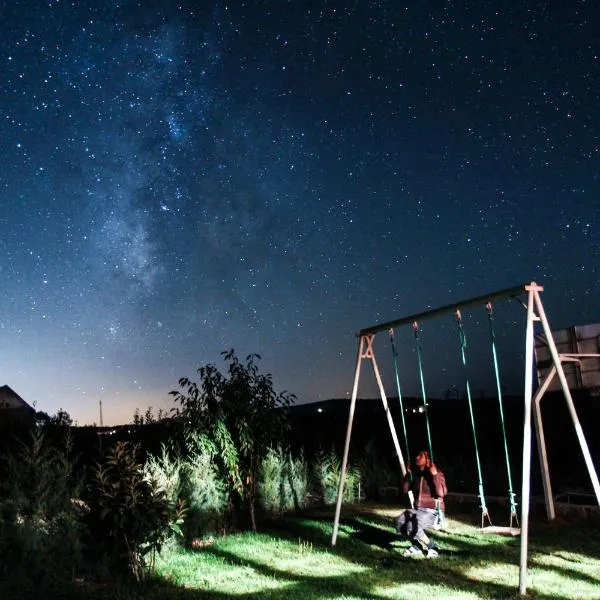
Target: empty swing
{"type": "Point", "coordinates": [513, 528]}
{"type": "Point", "coordinates": [490, 528]}
{"type": "Point", "coordinates": [463, 347]}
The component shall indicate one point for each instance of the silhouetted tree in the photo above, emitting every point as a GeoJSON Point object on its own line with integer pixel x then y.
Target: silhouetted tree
{"type": "Point", "coordinates": [61, 419]}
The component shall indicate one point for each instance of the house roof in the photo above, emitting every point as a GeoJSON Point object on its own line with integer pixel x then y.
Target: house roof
{"type": "Point", "coordinates": [9, 399]}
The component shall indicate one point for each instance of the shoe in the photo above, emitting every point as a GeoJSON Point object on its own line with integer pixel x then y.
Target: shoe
{"type": "Point", "coordinates": [432, 553]}
{"type": "Point", "coordinates": [412, 551]}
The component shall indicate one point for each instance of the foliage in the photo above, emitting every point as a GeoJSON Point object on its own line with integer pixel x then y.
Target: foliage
{"type": "Point", "coordinates": [41, 528]}
{"type": "Point", "coordinates": [375, 471]}
{"type": "Point", "coordinates": [61, 419]}
{"type": "Point", "coordinates": [327, 468]}
{"type": "Point", "coordinates": [196, 479]}
{"type": "Point", "coordinates": [132, 510]}
{"type": "Point", "coordinates": [241, 415]}
{"type": "Point", "coordinates": [204, 489]}
{"type": "Point", "coordinates": [283, 482]}
{"type": "Point", "coordinates": [167, 470]}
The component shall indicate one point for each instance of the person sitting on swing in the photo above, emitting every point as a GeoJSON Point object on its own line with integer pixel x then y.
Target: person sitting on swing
{"type": "Point", "coordinates": [428, 485]}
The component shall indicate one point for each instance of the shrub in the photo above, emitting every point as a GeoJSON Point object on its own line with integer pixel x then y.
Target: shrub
{"type": "Point", "coordinates": [167, 470]}
{"type": "Point", "coordinates": [204, 490]}
{"type": "Point", "coordinates": [376, 472]}
{"type": "Point", "coordinates": [132, 514]}
{"type": "Point", "coordinates": [326, 472]}
{"type": "Point", "coordinates": [283, 482]}
{"type": "Point", "coordinates": [41, 527]}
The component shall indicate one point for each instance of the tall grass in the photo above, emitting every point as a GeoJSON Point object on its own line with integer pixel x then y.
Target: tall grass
{"type": "Point", "coordinates": [283, 482]}
{"type": "Point", "coordinates": [167, 470]}
{"type": "Point", "coordinates": [41, 530]}
{"type": "Point", "coordinates": [375, 471]}
{"type": "Point", "coordinates": [327, 468]}
{"type": "Point", "coordinates": [193, 477]}
{"type": "Point", "coordinates": [205, 492]}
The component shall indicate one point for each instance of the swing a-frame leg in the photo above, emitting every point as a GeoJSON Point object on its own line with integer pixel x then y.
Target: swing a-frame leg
{"type": "Point", "coordinates": [365, 352]}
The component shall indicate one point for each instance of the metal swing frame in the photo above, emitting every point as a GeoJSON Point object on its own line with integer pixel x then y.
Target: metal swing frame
{"type": "Point", "coordinates": [535, 313]}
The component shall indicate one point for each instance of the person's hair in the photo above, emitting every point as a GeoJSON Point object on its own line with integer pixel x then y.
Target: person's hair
{"type": "Point", "coordinates": [425, 454]}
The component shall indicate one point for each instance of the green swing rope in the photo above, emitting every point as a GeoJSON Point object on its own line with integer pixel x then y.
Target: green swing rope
{"type": "Point", "coordinates": [438, 511]}
{"type": "Point", "coordinates": [511, 494]}
{"type": "Point", "coordinates": [395, 355]}
{"type": "Point", "coordinates": [422, 378]}
{"type": "Point", "coordinates": [463, 347]}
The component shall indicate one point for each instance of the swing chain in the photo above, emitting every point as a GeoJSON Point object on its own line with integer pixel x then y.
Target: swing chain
{"type": "Point", "coordinates": [461, 333]}
{"type": "Point", "coordinates": [391, 333]}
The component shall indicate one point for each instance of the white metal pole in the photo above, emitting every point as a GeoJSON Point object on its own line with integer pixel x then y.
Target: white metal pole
{"type": "Point", "coordinates": [365, 341]}
{"type": "Point", "coordinates": [565, 386]}
{"type": "Point", "coordinates": [388, 415]}
{"type": "Point", "coordinates": [541, 443]}
{"type": "Point", "coordinates": [525, 486]}
{"type": "Point", "coordinates": [391, 424]}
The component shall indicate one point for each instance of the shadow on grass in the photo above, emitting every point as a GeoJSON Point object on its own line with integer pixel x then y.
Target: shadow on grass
{"type": "Point", "coordinates": [377, 550]}
{"type": "Point", "coordinates": [476, 549]}
{"type": "Point", "coordinates": [368, 541]}
{"type": "Point", "coordinates": [382, 571]}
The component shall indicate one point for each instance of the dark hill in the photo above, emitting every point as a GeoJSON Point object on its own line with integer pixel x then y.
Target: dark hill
{"type": "Point", "coordinates": [322, 425]}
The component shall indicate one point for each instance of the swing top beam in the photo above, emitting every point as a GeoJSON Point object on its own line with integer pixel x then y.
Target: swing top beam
{"type": "Point", "coordinates": [435, 312]}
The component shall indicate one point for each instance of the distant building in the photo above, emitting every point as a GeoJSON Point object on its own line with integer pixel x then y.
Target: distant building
{"type": "Point", "coordinates": [13, 409]}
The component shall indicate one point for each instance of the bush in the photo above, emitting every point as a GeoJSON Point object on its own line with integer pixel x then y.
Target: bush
{"type": "Point", "coordinates": [167, 470]}
{"type": "Point", "coordinates": [326, 472]}
{"type": "Point", "coordinates": [376, 472]}
{"type": "Point", "coordinates": [204, 490]}
{"type": "Point", "coordinates": [132, 515]}
{"type": "Point", "coordinates": [283, 482]}
{"type": "Point", "coordinates": [41, 529]}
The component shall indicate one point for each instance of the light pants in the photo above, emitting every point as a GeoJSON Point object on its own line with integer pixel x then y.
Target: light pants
{"type": "Point", "coordinates": [412, 523]}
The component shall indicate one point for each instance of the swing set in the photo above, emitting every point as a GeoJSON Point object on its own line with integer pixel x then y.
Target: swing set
{"type": "Point", "coordinates": [512, 529]}
{"type": "Point", "coordinates": [535, 313]}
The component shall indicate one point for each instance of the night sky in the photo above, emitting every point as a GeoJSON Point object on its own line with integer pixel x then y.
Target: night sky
{"type": "Point", "coordinates": [181, 178]}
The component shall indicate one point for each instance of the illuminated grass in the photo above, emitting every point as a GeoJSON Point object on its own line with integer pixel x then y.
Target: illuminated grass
{"type": "Point", "coordinates": [294, 560]}
{"type": "Point", "coordinates": [245, 563]}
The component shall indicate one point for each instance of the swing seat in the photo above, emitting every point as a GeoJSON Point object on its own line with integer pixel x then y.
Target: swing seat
{"type": "Point", "coordinates": [499, 530]}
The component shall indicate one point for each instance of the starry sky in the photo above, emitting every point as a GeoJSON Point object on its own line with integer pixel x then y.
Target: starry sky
{"type": "Point", "coordinates": [181, 178]}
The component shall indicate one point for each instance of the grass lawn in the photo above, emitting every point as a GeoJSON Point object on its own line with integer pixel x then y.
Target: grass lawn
{"type": "Point", "coordinates": [292, 558]}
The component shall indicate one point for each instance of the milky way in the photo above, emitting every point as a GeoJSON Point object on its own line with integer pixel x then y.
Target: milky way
{"type": "Point", "coordinates": [274, 176]}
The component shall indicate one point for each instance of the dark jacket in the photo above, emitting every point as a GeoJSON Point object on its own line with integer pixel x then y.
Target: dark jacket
{"type": "Point", "coordinates": [427, 488]}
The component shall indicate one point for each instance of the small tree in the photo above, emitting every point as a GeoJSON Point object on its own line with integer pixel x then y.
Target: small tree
{"type": "Point", "coordinates": [242, 415]}
{"type": "Point", "coordinates": [131, 511]}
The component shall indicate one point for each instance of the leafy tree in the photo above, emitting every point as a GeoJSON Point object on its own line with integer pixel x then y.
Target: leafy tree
{"type": "Point", "coordinates": [61, 419]}
{"type": "Point", "coordinates": [241, 415]}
